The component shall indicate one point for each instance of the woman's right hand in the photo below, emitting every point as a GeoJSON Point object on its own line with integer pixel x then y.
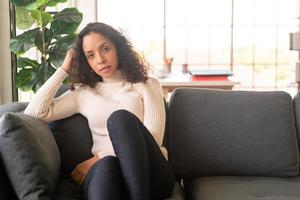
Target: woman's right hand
{"type": "Point", "coordinates": [67, 64]}
{"type": "Point", "coordinates": [81, 170]}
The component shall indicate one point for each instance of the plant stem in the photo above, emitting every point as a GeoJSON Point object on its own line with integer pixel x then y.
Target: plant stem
{"type": "Point", "coordinates": [44, 51]}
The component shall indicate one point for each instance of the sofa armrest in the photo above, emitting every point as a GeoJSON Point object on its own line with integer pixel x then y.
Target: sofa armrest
{"type": "Point", "coordinates": [13, 107]}
{"type": "Point", "coordinates": [20, 106]}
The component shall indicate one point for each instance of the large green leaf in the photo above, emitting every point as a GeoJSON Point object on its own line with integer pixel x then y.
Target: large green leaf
{"type": "Point", "coordinates": [43, 18]}
{"type": "Point", "coordinates": [59, 48]}
{"type": "Point", "coordinates": [37, 4]}
{"type": "Point", "coordinates": [55, 2]}
{"type": "Point", "coordinates": [68, 15]}
{"type": "Point", "coordinates": [35, 78]}
{"type": "Point", "coordinates": [23, 79]}
{"type": "Point", "coordinates": [27, 63]}
{"type": "Point", "coordinates": [48, 36]}
{"type": "Point", "coordinates": [22, 2]}
{"type": "Point", "coordinates": [23, 18]}
{"type": "Point", "coordinates": [39, 41]}
{"type": "Point", "coordinates": [40, 76]}
{"type": "Point", "coordinates": [66, 21]}
{"type": "Point", "coordinates": [22, 43]}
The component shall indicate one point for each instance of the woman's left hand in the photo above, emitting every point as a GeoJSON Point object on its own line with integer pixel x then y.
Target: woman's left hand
{"type": "Point", "coordinates": [81, 170]}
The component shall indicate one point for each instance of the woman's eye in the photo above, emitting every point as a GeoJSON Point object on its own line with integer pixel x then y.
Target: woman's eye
{"type": "Point", "coordinates": [90, 56]}
{"type": "Point", "coordinates": [106, 49]}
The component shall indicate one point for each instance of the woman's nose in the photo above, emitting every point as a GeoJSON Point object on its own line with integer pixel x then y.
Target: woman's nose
{"type": "Point", "coordinates": [100, 59]}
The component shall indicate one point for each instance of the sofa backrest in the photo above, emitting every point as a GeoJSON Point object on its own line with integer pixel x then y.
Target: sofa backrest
{"type": "Point", "coordinates": [218, 132]}
{"type": "Point", "coordinates": [296, 104]}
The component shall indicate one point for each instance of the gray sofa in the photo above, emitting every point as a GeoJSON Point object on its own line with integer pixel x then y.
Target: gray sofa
{"type": "Point", "coordinates": [223, 145]}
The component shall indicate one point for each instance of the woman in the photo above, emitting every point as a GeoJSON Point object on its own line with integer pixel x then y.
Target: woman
{"type": "Point", "coordinates": [125, 112]}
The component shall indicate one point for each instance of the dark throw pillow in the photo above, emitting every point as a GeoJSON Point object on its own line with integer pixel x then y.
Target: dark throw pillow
{"type": "Point", "coordinates": [74, 140]}
{"type": "Point", "coordinates": [29, 155]}
{"type": "Point", "coordinates": [6, 191]}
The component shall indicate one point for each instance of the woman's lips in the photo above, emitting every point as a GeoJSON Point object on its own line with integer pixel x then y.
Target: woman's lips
{"type": "Point", "coordinates": [104, 69]}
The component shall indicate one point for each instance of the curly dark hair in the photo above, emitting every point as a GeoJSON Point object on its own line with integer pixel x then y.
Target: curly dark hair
{"type": "Point", "coordinates": [131, 65]}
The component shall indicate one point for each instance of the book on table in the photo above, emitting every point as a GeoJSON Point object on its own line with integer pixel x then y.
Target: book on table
{"type": "Point", "coordinates": [210, 74]}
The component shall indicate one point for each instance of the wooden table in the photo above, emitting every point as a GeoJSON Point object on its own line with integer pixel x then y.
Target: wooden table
{"type": "Point", "coordinates": [174, 81]}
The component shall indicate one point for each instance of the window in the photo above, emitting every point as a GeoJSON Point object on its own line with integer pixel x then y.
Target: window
{"type": "Point", "coordinates": [142, 21]}
{"type": "Point", "coordinates": [251, 37]}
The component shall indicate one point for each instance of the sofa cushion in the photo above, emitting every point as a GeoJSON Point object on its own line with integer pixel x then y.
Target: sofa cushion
{"type": "Point", "coordinates": [66, 189]}
{"type": "Point", "coordinates": [215, 132]}
{"type": "Point", "coordinates": [74, 141]}
{"type": "Point", "coordinates": [7, 191]}
{"type": "Point", "coordinates": [177, 193]}
{"type": "Point", "coordinates": [30, 156]}
{"type": "Point", "coordinates": [237, 188]}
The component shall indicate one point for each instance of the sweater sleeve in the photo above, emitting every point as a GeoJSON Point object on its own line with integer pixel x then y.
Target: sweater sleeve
{"type": "Point", "coordinates": [48, 108]}
{"type": "Point", "coordinates": [154, 110]}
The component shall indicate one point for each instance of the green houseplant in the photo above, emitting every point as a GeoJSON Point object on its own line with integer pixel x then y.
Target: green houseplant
{"type": "Point", "coordinates": [51, 33]}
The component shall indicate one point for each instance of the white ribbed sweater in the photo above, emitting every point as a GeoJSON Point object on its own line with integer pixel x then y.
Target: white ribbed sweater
{"type": "Point", "coordinates": [145, 100]}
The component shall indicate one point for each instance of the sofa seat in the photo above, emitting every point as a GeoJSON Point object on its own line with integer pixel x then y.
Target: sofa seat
{"type": "Point", "coordinates": [67, 190]}
{"type": "Point", "coordinates": [243, 188]}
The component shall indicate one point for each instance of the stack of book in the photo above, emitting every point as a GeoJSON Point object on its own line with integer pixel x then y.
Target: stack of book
{"type": "Point", "coordinates": [210, 74]}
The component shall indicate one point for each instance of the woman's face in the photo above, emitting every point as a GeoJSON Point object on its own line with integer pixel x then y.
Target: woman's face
{"type": "Point", "coordinates": [101, 54]}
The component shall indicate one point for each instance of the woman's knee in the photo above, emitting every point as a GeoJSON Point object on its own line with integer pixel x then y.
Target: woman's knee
{"type": "Point", "coordinates": [119, 116]}
{"type": "Point", "coordinates": [104, 176]}
{"type": "Point", "coordinates": [106, 165]}
{"type": "Point", "coordinates": [120, 119]}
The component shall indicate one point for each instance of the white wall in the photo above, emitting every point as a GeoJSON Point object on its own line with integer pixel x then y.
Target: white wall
{"type": "Point", "coordinates": [5, 57]}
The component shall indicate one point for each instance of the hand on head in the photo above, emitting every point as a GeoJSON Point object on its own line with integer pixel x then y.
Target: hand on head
{"type": "Point", "coordinates": [67, 64]}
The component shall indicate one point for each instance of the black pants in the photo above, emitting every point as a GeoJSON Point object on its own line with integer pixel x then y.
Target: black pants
{"type": "Point", "coordinates": [140, 171]}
